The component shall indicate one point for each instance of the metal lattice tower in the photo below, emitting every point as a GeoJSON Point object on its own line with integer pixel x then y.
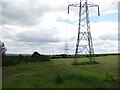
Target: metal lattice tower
{"type": "Point", "coordinates": [84, 38]}
{"type": "Point", "coordinates": [66, 49]}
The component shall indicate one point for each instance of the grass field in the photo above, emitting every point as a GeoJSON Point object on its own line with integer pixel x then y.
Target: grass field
{"type": "Point", "coordinates": [59, 73]}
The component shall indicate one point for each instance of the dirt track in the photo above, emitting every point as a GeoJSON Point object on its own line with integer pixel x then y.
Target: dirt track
{"type": "Point", "coordinates": [6, 75]}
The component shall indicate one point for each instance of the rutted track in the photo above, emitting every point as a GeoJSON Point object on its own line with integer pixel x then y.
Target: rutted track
{"type": "Point", "coordinates": [6, 75]}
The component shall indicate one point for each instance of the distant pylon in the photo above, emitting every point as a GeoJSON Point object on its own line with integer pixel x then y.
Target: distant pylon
{"type": "Point", "coordinates": [84, 38]}
{"type": "Point", "coordinates": [66, 49]}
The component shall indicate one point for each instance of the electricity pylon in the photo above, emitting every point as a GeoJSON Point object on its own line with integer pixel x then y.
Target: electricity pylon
{"type": "Point", "coordinates": [84, 38]}
{"type": "Point", "coordinates": [66, 48]}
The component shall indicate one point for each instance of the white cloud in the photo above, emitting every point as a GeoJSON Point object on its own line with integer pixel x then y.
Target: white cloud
{"type": "Point", "coordinates": [102, 28]}
{"type": "Point", "coordinates": [32, 25]}
{"type": "Point", "coordinates": [106, 46]}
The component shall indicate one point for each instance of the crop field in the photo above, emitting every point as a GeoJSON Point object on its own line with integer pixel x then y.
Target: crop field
{"type": "Point", "coordinates": [60, 73]}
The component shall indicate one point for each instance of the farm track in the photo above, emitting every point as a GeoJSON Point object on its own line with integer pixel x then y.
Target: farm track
{"type": "Point", "coordinates": [6, 75]}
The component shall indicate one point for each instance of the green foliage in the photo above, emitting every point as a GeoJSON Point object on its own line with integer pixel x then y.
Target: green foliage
{"type": "Point", "coordinates": [109, 78]}
{"type": "Point", "coordinates": [81, 56]}
{"type": "Point", "coordinates": [59, 73]}
{"type": "Point", "coordinates": [13, 60]}
{"type": "Point", "coordinates": [36, 57]}
{"type": "Point", "coordinates": [35, 54]}
{"type": "Point", "coordinates": [10, 60]}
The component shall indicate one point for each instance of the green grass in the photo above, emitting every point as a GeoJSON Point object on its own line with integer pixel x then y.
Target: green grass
{"type": "Point", "coordinates": [60, 73]}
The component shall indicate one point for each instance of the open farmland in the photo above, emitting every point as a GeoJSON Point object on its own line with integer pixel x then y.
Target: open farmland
{"type": "Point", "coordinates": [59, 73]}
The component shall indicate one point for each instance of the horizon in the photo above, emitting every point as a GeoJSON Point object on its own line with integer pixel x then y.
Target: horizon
{"type": "Point", "coordinates": [55, 54]}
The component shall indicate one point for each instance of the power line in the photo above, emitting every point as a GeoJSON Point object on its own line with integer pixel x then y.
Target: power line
{"type": "Point", "coordinates": [106, 10]}
{"type": "Point", "coordinates": [109, 6]}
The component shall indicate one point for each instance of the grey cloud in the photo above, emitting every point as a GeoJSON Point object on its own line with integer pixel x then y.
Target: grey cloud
{"type": "Point", "coordinates": [30, 37]}
{"type": "Point", "coordinates": [25, 16]}
{"type": "Point", "coordinates": [21, 16]}
{"type": "Point", "coordinates": [106, 48]}
{"type": "Point", "coordinates": [109, 37]}
{"type": "Point", "coordinates": [31, 15]}
{"type": "Point", "coordinates": [37, 37]}
{"type": "Point", "coordinates": [8, 34]}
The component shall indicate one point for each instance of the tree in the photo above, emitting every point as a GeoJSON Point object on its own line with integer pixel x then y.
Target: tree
{"type": "Point", "coordinates": [35, 54]}
{"type": "Point", "coordinates": [37, 57]}
{"type": "Point", "coordinates": [3, 49]}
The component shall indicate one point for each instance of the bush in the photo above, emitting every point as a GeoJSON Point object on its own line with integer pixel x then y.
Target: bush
{"type": "Point", "coordinates": [109, 78]}
{"type": "Point", "coordinates": [36, 57]}
{"type": "Point", "coordinates": [10, 60]}
{"type": "Point", "coordinates": [13, 60]}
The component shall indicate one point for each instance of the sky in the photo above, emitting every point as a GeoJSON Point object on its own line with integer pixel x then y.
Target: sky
{"type": "Point", "coordinates": [44, 26]}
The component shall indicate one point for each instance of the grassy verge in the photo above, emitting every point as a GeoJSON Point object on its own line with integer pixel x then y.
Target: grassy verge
{"type": "Point", "coordinates": [59, 73]}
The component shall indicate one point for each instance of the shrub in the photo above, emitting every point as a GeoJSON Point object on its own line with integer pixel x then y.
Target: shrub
{"type": "Point", "coordinates": [36, 57]}
{"type": "Point", "coordinates": [10, 60]}
{"type": "Point", "coordinates": [13, 60]}
{"type": "Point", "coordinates": [109, 78]}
